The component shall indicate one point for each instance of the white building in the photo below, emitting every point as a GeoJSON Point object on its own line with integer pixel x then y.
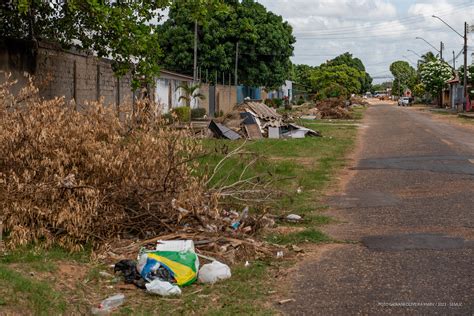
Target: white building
{"type": "Point", "coordinates": [166, 93]}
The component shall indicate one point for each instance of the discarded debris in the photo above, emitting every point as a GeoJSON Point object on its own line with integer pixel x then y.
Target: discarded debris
{"type": "Point", "coordinates": [279, 254]}
{"type": "Point", "coordinates": [213, 272]}
{"type": "Point", "coordinates": [162, 288]}
{"type": "Point", "coordinates": [221, 131]}
{"type": "Point", "coordinates": [173, 261]}
{"type": "Point", "coordinates": [105, 275]}
{"type": "Point", "coordinates": [286, 301]}
{"type": "Point", "coordinates": [293, 218]}
{"type": "Point", "coordinates": [130, 273]}
{"type": "Point", "coordinates": [255, 120]}
{"type": "Point", "coordinates": [295, 248]}
{"type": "Point", "coordinates": [108, 305]}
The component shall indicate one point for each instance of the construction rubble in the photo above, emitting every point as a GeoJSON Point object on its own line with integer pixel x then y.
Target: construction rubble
{"type": "Point", "coordinates": [255, 120]}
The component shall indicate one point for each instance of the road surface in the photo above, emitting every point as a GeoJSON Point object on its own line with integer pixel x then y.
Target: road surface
{"type": "Point", "coordinates": [408, 207]}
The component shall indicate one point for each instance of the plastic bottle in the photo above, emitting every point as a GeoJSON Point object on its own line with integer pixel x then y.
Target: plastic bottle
{"type": "Point", "coordinates": [109, 304]}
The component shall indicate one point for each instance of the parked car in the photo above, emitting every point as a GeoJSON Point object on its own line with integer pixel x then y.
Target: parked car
{"type": "Point", "coordinates": [404, 101]}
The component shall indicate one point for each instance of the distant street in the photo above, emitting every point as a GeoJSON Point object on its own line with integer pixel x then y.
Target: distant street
{"type": "Point", "coordinates": [409, 207]}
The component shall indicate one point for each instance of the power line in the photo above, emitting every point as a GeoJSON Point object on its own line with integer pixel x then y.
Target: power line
{"type": "Point", "coordinates": [383, 25]}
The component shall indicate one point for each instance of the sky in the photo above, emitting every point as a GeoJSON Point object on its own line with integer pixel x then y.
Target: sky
{"type": "Point", "coordinates": [376, 31]}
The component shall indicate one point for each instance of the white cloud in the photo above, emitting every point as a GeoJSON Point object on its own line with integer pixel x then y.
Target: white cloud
{"type": "Point", "coordinates": [377, 31]}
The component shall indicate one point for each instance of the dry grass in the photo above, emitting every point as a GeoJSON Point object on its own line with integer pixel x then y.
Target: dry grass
{"type": "Point", "coordinates": [75, 178]}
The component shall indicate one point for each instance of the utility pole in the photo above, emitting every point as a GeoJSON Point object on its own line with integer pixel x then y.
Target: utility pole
{"type": "Point", "coordinates": [454, 60]}
{"type": "Point", "coordinates": [465, 65]}
{"type": "Point", "coordinates": [236, 64]}
{"type": "Point", "coordinates": [441, 47]}
{"type": "Point", "coordinates": [195, 49]}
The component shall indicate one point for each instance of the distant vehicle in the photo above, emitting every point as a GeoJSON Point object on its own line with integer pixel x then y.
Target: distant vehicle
{"type": "Point", "coordinates": [404, 101]}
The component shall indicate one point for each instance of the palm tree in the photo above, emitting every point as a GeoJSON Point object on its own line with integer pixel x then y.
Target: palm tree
{"type": "Point", "coordinates": [191, 92]}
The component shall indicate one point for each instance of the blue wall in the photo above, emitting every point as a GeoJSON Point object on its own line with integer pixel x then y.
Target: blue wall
{"type": "Point", "coordinates": [250, 92]}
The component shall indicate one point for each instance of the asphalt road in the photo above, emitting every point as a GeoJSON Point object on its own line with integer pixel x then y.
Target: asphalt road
{"type": "Point", "coordinates": [409, 210]}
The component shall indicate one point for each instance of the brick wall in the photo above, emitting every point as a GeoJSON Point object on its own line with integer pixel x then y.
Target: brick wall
{"type": "Point", "coordinates": [72, 74]}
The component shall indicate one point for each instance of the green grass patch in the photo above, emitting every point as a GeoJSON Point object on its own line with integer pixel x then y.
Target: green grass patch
{"type": "Point", "coordinates": [35, 296]}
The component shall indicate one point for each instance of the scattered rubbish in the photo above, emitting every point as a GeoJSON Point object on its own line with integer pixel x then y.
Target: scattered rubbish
{"type": "Point", "coordinates": [255, 120]}
{"type": "Point", "coordinates": [293, 218]}
{"type": "Point", "coordinates": [333, 108]}
{"type": "Point", "coordinates": [279, 254]}
{"type": "Point", "coordinates": [286, 301]}
{"type": "Point", "coordinates": [253, 131]}
{"type": "Point", "coordinates": [106, 275]}
{"type": "Point", "coordinates": [236, 224]}
{"type": "Point", "coordinates": [129, 270]}
{"type": "Point", "coordinates": [271, 292]}
{"type": "Point", "coordinates": [213, 272]}
{"type": "Point", "coordinates": [274, 132]}
{"type": "Point", "coordinates": [299, 190]}
{"type": "Point", "coordinates": [162, 288]}
{"type": "Point", "coordinates": [109, 304]}
{"type": "Point", "coordinates": [174, 261]}
{"type": "Point", "coordinates": [296, 248]}
{"type": "Point", "coordinates": [221, 131]}
{"type": "Point", "coordinates": [247, 264]}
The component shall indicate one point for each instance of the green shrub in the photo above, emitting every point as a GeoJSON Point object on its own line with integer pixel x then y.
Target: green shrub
{"type": "Point", "coordinates": [300, 101]}
{"type": "Point", "coordinates": [198, 113]}
{"type": "Point", "coordinates": [278, 102]}
{"type": "Point", "coordinates": [183, 113]}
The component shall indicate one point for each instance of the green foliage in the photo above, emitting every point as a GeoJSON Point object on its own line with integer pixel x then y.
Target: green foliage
{"type": "Point", "coordinates": [300, 101]}
{"type": "Point", "coordinates": [405, 76]}
{"type": "Point", "coordinates": [343, 75]}
{"type": "Point", "coordinates": [470, 74]}
{"type": "Point", "coordinates": [333, 90]}
{"type": "Point", "coordinates": [120, 30]}
{"type": "Point", "coordinates": [278, 103]}
{"type": "Point", "coordinates": [198, 113]}
{"type": "Point", "coordinates": [183, 113]}
{"type": "Point", "coordinates": [434, 75]}
{"type": "Point", "coordinates": [347, 59]}
{"type": "Point", "coordinates": [265, 42]}
{"type": "Point", "coordinates": [419, 90]}
{"type": "Point", "coordinates": [381, 87]}
{"type": "Point", "coordinates": [302, 74]}
{"type": "Point", "coordinates": [191, 92]}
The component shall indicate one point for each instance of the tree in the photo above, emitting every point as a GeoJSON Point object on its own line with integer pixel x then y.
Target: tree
{"type": "Point", "coordinates": [419, 90]}
{"type": "Point", "coordinates": [302, 74]}
{"type": "Point", "coordinates": [405, 76]}
{"type": "Point", "coordinates": [191, 92]}
{"type": "Point", "coordinates": [265, 42]}
{"type": "Point", "coordinates": [434, 75]}
{"type": "Point", "coordinates": [121, 30]}
{"type": "Point", "coordinates": [470, 74]}
{"type": "Point", "coordinates": [347, 59]}
{"type": "Point", "coordinates": [343, 75]}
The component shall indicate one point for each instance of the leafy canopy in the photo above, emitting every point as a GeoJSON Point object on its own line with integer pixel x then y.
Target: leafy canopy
{"type": "Point", "coordinates": [265, 42]}
{"type": "Point", "coordinates": [117, 29]}
{"type": "Point", "coordinates": [434, 75]}
{"type": "Point", "coordinates": [405, 76]}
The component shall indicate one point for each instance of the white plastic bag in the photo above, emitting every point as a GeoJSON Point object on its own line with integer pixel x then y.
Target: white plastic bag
{"type": "Point", "coordinates": [213, 272]}
{"type": "Point", "coordinates": [162, 288]}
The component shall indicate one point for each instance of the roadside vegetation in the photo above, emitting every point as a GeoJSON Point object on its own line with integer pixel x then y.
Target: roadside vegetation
{"type": "Point", "coordinates": [49, 282]}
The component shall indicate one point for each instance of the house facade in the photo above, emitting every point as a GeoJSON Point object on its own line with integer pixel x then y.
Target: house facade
{"type": "Point", "coordinates": [167, 94]}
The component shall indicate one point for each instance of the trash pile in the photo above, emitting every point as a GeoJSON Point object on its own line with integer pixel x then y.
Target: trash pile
{"type": "Point", "coordinates": [358, 101]}
{"type": "Point", "coordinates": [171, 265]}
{"type": "Point", "coordinates": [334, 108]}
{"type": "Point", "coordinates": [255, 120]}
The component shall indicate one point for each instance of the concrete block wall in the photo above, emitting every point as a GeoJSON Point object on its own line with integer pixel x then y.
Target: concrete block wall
{"type": "Point", "coordinates": [72, 74]}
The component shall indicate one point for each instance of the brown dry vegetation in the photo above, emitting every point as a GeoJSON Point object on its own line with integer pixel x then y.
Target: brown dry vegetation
{"type": "Point", "coordinates": [83, 178]}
